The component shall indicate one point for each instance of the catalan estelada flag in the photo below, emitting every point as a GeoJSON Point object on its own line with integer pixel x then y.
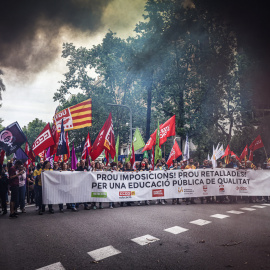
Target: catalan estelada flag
{"type": "Point", "coordinates": [75, 117]}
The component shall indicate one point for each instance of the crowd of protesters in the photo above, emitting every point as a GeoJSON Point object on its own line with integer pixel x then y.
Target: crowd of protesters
{"type": "Point", "coordinates": [25, 186]}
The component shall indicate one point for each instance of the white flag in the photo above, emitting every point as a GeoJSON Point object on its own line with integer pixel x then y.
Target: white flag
{"type": "Point", "coordinates": [186, 150]}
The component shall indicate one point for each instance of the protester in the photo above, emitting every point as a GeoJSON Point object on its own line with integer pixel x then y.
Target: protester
{"type": "Point", "coordinates": [3, 189]}
{"type": "Point", "coordinates": [14, 187]}
{"type": "Point", "coordinates": [22, 189]}
{"type": "Point", "coordinates": [96, 169]}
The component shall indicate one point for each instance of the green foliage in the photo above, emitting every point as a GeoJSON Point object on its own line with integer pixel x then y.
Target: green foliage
{"type": "Point", "coordinates": [33, 129]}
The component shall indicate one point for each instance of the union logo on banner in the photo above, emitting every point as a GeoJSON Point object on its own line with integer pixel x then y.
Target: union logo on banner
{"type": "Point", "coordinates": [41, 139]}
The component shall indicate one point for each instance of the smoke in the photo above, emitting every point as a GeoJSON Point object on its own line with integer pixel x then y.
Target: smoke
{"type": "Point", "coordinates": [30, 30]}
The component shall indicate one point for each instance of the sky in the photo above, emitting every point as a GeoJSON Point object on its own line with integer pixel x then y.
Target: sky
{"type": "Point", "coordinates": [31, 38]}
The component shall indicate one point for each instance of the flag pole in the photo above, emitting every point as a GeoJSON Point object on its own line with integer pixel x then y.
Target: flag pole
{"type": "Point", "coordinates": [265, 153]}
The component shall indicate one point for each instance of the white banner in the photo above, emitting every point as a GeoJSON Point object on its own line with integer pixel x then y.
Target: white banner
{"type": "Point", "coordinates": [72, 187]}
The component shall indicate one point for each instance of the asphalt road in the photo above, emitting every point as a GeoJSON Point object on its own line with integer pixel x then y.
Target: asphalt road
{"type": "Point", "coordinates": [82, 240]}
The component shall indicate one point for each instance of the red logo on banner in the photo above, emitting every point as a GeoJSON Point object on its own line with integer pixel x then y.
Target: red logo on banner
{"type": "Point", "coordinates": [158, 193]}
{"type": "Point", "coordinates": [124, 193]}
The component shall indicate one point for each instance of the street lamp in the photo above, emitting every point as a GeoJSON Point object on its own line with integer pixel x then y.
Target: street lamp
{"type": "Point", "coordinates": [130, 112]}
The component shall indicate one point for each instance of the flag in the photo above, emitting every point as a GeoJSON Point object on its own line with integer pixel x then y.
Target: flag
{"type": "Point", "coordinates": [227, 154]}
{"type": "Point", "coordinates": [2, 156]}
{"type": "Point", "coordinates": [158, 154]}
{"type": "Point", "coordinates": [75, 117]}
{"type": "Point", "coordinates": [107, 157]}
{"type": "Point", "coordinates": [149, 144]}
{"type": "Point", "coordinates": [152, 166]}
{"type": "Point", "coordinates": [55, 136]}
{"type": "Point", "coordinates": [67, 156]}
{"type": "Point", "coordinates": [174, 154]}
{"type": "Point", "coordinates": [138, 142]}
{"type": "Point", "coordinates": [132, 159]}
{"type": "Point", "coordinates": [20, 155]}
{"type": "Point", "coordinates": [11, 138]}
{"type": "Point", "coordinates": [49, 157]}
{"type": "Point", "coordinates": [62, 145]}
{"type": "Point", "coordinates": [233, 154]}
{"type": "Point", "coordinates": [213, 159]}
{"type": "Point", "coordinates": [166, 130]}
{"type": "Point", "coordinates": [208, 158]}
{"type": "Point", "coordinates": [244, 153]}
{"type": "Point", "coordinates": [104, 140]}
{"type": "Point", "coordinates": [87, 146]}
{"type": "Point", "coordinates": [256, 144]}
{"type": "Point", "coordinates": [43, 141]}
{"type": "Point", "coordinates": [145, 155]}
{"type": "Point", "coordinates": [219, 152]}
{"type": "Point", "coordinates": [186, 149]}
{"type": "Point", "coordinates": [27, 151]}
{"type": "Point", "coordinates": [73, 159]}
{"type": "Point", "coordinates": [42, 156]}
{"type": "Point", "coordinates": [116, 150]}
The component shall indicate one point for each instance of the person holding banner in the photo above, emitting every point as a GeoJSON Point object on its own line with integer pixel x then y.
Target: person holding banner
{"type": "Point", "coordinates": [190, 166]}
{"type": "Point", "coordinates": [3, 189]}
{"type": "Point", "coordinates": [96, 169]}
{"type": "Point", "coordinates": [46, 167]}
{"type": "Point", "coordinates": [83, 168]}
{"type": "Point", "coordinates": [22, 189]}
{"type": "Point", "coordinates": [175, 167]}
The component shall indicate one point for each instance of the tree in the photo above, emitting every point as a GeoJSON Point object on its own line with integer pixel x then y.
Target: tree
{"type": "Point", "coordinates": [33, 129]}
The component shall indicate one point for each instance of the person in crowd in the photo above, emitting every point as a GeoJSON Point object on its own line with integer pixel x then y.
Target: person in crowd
{"type": "Point", "coordinates": [208, 199]}
{"type": "Point", "coordinates": [233, 165]}
{"type": "Point", "coordinates": [3, 189]}
{"type": "Point", "coordinates": [175, 167]}
{"type": "Point", "coordinates": [22, 189]}
{"type": "Point", "coordinates": [30, 185]}
{"type": "Point", "coordinates": [120, 166]}
{"type": "Point", "coordinates": [96, 169]}
{"type": "Point", "coordinates": [184, 164]}
{"type": "Point", "coordinates": [83, 168]}
{"type": "Point", "coordinates": [190, 166]}
{"type": "Point", "coordinates": [45, 167]}
{"type": "Point", "coordinates": [72, 206]}
{"type": "Point", "coordinates": [62, 167]}
{"type": "Point", "coordinates": [14, 187]}
{"type": "Point", "coordinates": [164, 164]}
{"type": "Point", "coordinates": [37, 172]}
{"type": "Point", "coordinates": [143, 168]}
{"type": "Point", "coordinates": [113, 166]}
{"type": "Point", "coordinates": [159, 167]}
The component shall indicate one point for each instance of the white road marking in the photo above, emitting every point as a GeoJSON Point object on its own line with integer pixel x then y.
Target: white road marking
{"type": "Point", "coordinates": [266, 204]}
{"type": "Point", "coordinates": [176, 230]}
{"type": "Point", "coordinates": [144, 240]}
{"type": "Point", "coordinates": [235, 212]}
{"type": "Point", "coordinates": [248, 209]}
{"type": "Point", "coordinates": [220, 216]}
{"type": "Point", "coordinates": [103, 253]}
{"type": "Point", "coordinates": [200, 222]}
{"type": "Point", "coordinates": [258, 206]}
{"type": "Point", "coordinates": [54, 266]}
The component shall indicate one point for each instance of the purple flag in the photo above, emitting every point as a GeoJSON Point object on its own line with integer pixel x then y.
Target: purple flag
{"type": "Point", "coordinates": [73, 159]}
{"type": "Point", "coordinates": [49, 157]}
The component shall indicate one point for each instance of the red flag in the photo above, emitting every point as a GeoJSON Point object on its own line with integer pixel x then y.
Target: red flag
{"type": "Point", "coordinates": [244, 153]}
{"type": "Point", "coordinates": [227, 151]}
{"type": "Point", "coordinates": [152, 166]}
{"type": "Point", "coordinates": [55, 135]}
{"type": "Point", "coordinates": [256, 144]}
{"type": "Point", "coordinates": [166, 130]}
{"type": "Point", "coordinates": [233, 154]}
{"type": "Point", "coordinates": [132, 158]}
{"type": "Point", "coordinates": [87, 146]}
{"type": "Point", "coordinates": [104, 140]}
{"type": "Point", "coordinates": [107, 157]}
{"type": "Point", "coordinates": [43, 141]}
{"type": "Point", "coordinates": [32, 156]}
{"type": "Point", "coordinates": [149, 144]}
{"type": "Point", "coordinates": [2, 156]}
{"type": "Point", "coordinates": [175, 153]}
{"type": "Point", "coordinates": [67, 156]}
